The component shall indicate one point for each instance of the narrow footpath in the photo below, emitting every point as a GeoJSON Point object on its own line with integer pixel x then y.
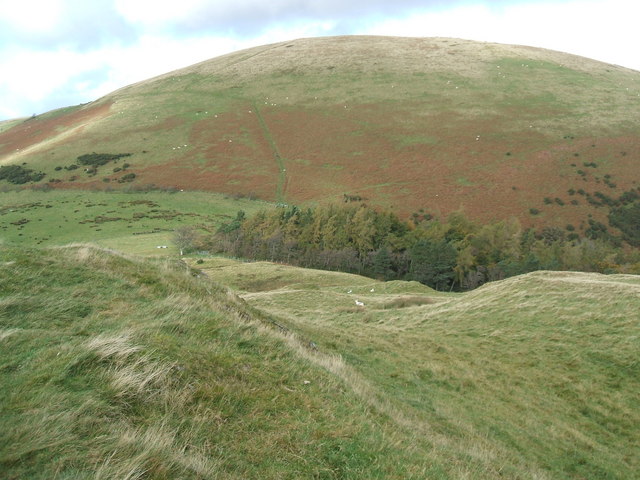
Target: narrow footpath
{"type": "Point", "coordinates": [282, 171]}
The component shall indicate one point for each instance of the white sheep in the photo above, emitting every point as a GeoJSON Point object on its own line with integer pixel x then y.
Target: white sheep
{"type": "Point", "coordinates": [359, 303]}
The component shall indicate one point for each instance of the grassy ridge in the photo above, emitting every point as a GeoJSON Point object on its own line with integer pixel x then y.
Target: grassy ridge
{"type": "Point", "coordinates": [536, 375]}
{"type": "Point", "coordinates": [115, 367]}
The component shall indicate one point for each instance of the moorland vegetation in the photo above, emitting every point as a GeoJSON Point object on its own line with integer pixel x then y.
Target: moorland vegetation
{"type": "Point", "coordinates": [406, 123]}
{"type": "Point", "coordinates": [511, 159]}
{"type": "Point", "coordinates": [116, 366]}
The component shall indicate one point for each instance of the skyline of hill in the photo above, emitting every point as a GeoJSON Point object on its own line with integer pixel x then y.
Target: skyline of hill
{"type": "Point", "coordinates": [438, 124]}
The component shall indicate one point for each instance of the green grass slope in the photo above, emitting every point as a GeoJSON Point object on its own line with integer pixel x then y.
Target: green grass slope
{"type": "Point", "coordinates": [135, 222]}
{"type": "Point", "coordinates": [117, 367]}
{"type": "Point", "coordinates": [532, 377]}
{"type": "Point", "coordinates": [113, 366]}
{"type": "Point", "coordinates": [407, 123]}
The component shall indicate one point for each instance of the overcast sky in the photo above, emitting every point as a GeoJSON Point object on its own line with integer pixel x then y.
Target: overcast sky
{"type": "Point", "coordinates": [55, 53]}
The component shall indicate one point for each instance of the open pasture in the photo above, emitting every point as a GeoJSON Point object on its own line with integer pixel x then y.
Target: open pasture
{"type": "Point", "coordinates": [135, 222]}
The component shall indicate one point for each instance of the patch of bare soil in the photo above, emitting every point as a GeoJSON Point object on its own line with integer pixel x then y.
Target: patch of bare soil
{"type": "Point", "coordinates": [36, 130]}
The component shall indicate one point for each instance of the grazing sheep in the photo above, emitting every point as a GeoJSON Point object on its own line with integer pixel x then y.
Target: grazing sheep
{"type": "Point", "coordinates": [359, 303]}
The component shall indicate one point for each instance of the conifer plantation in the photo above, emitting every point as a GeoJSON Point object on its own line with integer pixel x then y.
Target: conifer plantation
{"type": "Point", "coordinates": [450, 254]}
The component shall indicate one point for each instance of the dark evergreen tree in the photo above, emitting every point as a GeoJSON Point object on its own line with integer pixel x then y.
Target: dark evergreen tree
{"type": "Point", "coordinates": [433, 263]}
{"type": "Point", "coordinates": [381, 264]}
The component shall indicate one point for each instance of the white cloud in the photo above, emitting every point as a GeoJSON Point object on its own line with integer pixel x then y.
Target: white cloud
{"type": "Point", "coordinates": [605, 31]}
{"type": "Point", "coordinates": [30, 78]}
{"type": "Point", "coordinates": [74, 51]}
{"type": "Point", "coordinates": [32, 15]}
{"type": "Point", "coordinates": [154, 13]}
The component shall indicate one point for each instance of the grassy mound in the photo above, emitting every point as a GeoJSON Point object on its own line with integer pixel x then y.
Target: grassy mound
{"type": "Point", "coordinates": [535, 376]}
{"type": "Point", "coordinates": [113, 366]}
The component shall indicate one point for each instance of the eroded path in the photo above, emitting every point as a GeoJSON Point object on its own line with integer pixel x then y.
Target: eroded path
{"type": "Point", "coordinates": [282, 171]}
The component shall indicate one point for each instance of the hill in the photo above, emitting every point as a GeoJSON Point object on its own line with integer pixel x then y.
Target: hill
{"type": "Point", "coordinates": [406, 123]}
{"type": "Point", "coordinates": [529, 377]}
{"type": "Point", "coordinates": [114, 366]}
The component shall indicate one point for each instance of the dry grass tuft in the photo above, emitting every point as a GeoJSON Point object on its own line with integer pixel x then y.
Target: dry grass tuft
{"type": "Point", "coordinates": [154, 451]}
{"type": "Point", "coordinates": [140, 377]}
{"type": "Point", "coordinates": [7, 332]}
{"type": "Point", "coordinates": [113, 347]}
{"type": "Point", "coordinates": [85, 252]}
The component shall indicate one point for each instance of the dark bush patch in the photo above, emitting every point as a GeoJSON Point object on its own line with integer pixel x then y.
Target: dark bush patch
{"type": "Point", "coordinates": [627, 219]}
{"type": "Point", "coordinates": [129, 177]}
{"type": "Point", "coordinates": [97, 159]}
{"type": "Point", "coordinates": [597, 230]}
{"type": "Point", "coordinates": [18, 175]}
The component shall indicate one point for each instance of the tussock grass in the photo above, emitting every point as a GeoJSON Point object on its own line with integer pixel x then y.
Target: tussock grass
{"type": "Point", "coordinates": [154, 451]}
{"type": "Point", "coordinates": [113, 347]}
{"type": "Point", "coordinates": [163, 374]}
{"type": "Point", "coordinates": [532, 377]}
{"type": "Point", "coordinates": [4, 333]}
{"type": "Point", "coordinates": [166, 375]}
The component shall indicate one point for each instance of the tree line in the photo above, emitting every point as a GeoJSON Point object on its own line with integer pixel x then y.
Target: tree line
{"type": "Point", "coordinates": [451, 254]}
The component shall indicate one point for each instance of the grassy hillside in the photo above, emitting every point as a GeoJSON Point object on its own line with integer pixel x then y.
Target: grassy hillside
{"type": "Point", "coordinates": [117, 367]}
{"type": "Point", "coordinates": [435, 124]}
{"type": "Point", "coordinates": [531, 377]}
{"type": "Point", "coordinates": [113, 366]}
{"type": "Point", "coordinates": [135, 222]}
